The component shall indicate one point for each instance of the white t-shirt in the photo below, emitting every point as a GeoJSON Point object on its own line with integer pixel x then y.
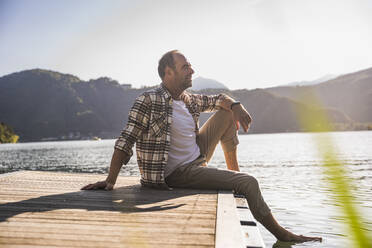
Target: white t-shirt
{"type": "Point", "coordinates": [183, 147]}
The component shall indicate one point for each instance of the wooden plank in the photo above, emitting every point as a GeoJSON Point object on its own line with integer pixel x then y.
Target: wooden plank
{"type": "Point", "coordinates": [48, 209]}
{"type": "Point", "coordinates": [9, 174]}
{"type": "Point", "coordinates": [135, 243]}
{"type": "Point", "coordinates": [97, 230]}
{"type": "Point", "coordinates": [251, 234]}
{"type": "Point", "coordinates": [236, 226]}
{"type": "Point", "coordinates": [228, 231]}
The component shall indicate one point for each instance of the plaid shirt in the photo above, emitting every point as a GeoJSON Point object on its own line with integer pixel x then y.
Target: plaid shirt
{"type": "Point", "coordinates": [149, 126]}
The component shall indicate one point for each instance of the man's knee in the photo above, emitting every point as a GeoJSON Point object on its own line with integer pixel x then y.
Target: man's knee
{"type": "Point", "coordinates": [249, 187]}
{"type": "Point", "coordinates": [246, 184]}
{"type": "Point", "coordinates": [224, 116]}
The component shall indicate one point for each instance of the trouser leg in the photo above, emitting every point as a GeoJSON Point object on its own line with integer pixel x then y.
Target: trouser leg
{"type": "Point", "coordinates": [200, 177]}
{"type": "Point", "coordinates": [220, 127]}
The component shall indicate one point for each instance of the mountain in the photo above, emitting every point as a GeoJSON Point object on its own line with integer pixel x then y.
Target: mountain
{"type": "Point", "coordinates": [40, 104]}
{"type": "Point", "coordinates": [201, 83]}
{"type": "Point", "coordinates": [46, 105]}
{"type": "Point", "coordinates": [274, 114]}
{"type": "Point", "coordinates": [316, 81]}
{"type": "Point", "coordinates": [349, 93]}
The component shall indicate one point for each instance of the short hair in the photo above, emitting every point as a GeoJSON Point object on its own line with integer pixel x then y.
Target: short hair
{"type": "Point", "coordinates": [166, 60]}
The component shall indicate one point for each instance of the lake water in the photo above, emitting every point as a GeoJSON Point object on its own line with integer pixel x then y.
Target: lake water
{"type": "Point", "coordinates": [286, 165]}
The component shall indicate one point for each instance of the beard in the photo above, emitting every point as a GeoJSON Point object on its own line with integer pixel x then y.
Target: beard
{"type": "Point", "coordinates": [187, 83]}
{"type": "Point", "coordinates": [184, 82]}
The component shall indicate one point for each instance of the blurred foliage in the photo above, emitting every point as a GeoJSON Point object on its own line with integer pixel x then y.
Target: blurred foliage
{"type": "Point", "coordinates": [7, 134]}
{"type": "Point", "coordinates": [336, 173]}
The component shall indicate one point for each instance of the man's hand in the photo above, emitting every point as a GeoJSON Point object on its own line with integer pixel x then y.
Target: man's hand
{"type": "Point", "coordinates": [99, 185]}
{"type": "Point", "coordinates": [241, 116]}
{"type": "Point", "coordinates": [118, 158]}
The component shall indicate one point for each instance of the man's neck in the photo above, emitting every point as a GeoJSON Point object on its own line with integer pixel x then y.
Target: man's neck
{"type": "Point", "coordinates": [175, 92]}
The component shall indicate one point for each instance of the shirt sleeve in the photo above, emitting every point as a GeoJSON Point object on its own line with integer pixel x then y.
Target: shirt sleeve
{"type": "Point", "coordinates": [138, 119]}
{"type": "Point", "coordinates": [207, 103]}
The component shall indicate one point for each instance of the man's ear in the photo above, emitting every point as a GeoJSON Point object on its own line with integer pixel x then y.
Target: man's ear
{"type": "Point", "coordinates": [169, 71]}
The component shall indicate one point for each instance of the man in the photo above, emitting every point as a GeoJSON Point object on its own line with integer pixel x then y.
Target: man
{"type": "Point", "coordinates": [173, 152]}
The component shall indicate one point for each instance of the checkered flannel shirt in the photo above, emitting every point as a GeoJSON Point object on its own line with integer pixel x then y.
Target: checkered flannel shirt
{"type": "Point", "coordinates": [149, 126]}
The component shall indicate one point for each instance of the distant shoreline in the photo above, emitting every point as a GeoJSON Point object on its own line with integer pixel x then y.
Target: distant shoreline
{"type": "Point", "coordinates": [240, 133]}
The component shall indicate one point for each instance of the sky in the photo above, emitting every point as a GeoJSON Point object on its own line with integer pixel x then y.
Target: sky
{"type": "Point", "coordinates": [242, 44]}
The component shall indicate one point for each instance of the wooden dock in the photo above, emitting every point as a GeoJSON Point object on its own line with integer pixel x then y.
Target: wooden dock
{"type": "Point", "coordinates": [49, 209]}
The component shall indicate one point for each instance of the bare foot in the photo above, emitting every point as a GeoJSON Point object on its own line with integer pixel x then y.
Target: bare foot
{"type": "Point", "coordinates": [282, 234]}
{"type": "Point", "coordinates": [291, 237]}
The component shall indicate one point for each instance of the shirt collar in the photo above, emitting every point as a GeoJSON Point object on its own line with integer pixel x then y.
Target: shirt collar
{"type": "Point", "coordinates": [165, 92]}
{"type": "Point", "coordinates": [184, 96]}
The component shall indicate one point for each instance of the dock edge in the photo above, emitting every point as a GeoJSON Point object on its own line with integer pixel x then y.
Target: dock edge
{"type": "Point", "coordinates": [235, 225]}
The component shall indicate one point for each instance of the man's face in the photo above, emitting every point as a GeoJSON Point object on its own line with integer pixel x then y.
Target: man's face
{"type": "Point", "coordinates": [183, 72]}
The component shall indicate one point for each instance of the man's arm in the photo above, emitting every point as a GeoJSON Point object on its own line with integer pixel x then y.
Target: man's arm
{"type": "Point", "coordinates": [241, 115]}
{"type": "Point", "coordinates": [118, 159]}
{"type": "Point", "coordinates": [137, 122]}
{"type": "Point", "coordinates": [212, 103]}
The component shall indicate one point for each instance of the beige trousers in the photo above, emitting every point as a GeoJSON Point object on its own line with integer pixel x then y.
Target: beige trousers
{"type": "Point", "coordinates": [219, 128]}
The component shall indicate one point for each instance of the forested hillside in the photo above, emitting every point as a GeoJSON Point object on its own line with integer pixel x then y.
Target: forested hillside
{"type": "Point", "coordinates": [47, 105]}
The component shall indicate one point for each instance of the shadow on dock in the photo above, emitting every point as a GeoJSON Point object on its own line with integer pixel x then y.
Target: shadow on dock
{"type": "Point", "coordinates": [126, 199]}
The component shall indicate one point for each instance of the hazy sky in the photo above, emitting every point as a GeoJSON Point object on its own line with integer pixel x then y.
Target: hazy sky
{"type": "Point", "coordinates": [243, 44]}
